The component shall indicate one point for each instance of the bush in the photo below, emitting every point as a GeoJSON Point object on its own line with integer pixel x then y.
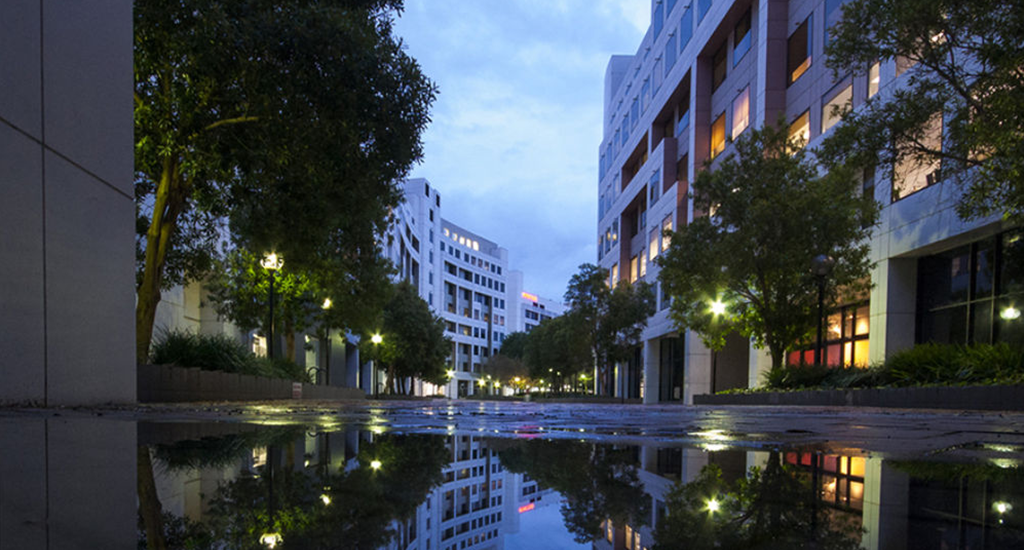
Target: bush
{"type": "Point", "coordinates": [220, 353]}
{"type": "Point", "coordinates": [795, 376]}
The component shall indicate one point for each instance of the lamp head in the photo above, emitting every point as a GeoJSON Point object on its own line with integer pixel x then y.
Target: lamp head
{"type": "Point", "coordinates": [272, 262]}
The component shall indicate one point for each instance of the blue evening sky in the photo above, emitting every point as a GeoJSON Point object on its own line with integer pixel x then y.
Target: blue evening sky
{"type": "Point", "coordinates": [517, 123]}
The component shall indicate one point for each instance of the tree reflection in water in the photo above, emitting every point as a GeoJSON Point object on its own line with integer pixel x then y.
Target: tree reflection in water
{"type": "Point", "coordinates": [354, 507]}
{"type": "Point", "coordinates": [597, 481]}
{"type": "Point", "coordinates": [774, 507]}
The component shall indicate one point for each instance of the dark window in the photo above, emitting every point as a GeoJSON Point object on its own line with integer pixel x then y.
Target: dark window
{"type": "Point", "coordinates": [658, 18]}
{"type": "Point", "coordinates": [718, 68]}
{"type": "Point", "coordinates": [702, 9]}
{"type": "Point", "coordinates": [686, 28]}
{"type": "Point", "coordinates": [973, 293]}
{"type": "Point", "coordinates": [669, 6]}
{"type": "Point", "coordinates": [670, 53]}
{"type": "Point", "coordinates": [741, 38]}
{"type": "Point", "coordinates": [799, 51]}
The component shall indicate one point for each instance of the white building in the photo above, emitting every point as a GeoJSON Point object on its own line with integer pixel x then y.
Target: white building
{"type": "Point", "coordinates": [707, 70]}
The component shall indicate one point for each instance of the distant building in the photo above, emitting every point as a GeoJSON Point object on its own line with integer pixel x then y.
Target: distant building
{"type": "Point", "coordinates": [466, 280]}
{"type": "Point", "coordinates": [703, 74]}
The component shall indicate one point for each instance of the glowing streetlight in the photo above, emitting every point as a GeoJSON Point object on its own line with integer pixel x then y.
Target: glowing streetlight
{"type": "Point", "coordinates": [713, 505]}
{"type": "Point", "coordinates": [1009, 313]}
{"type": "Point", "coordinates": [717, 307]}
{"type": "Point", "coordinates": [376, 339]}
{"type": "Point", "coordinates": [326, 499]}
{"type": "Point", "coordinates": [1002, 507]}
{"type": "Point", "coordinates": [450, 373]}
{"type": "Point", "coordinates": [328, 304]}
{"type": "Point", "coordinates": [375, 464]}
{"type": "Point", "coordinates": [271, 540]}
{"type": "Point", "coordinates": [271, 262]}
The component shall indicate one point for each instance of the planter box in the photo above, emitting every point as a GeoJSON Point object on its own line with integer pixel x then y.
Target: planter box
{"type": "Point", "coordinates": [988, 398]}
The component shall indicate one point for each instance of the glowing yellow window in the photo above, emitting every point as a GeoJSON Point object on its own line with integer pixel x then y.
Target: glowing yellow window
{"type": "Point", "coordinates": [718, 135]}
{"type": "Point", "coordinates": [800, 130]}
{"type": "Point", "coordinates": [666, 225]}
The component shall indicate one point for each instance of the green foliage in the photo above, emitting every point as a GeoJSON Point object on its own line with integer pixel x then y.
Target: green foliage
{"type": "Point", "coordinates": [557, 348]}
{"type": "Point", "coordinates": [610, 320]}
{"type": "Point", "coordinates": [774, 212]}
{"type": "Point", "coordinates": [514, 345]}
{"type": "Point", "coordinates": [504, 368]}
{"type": "Point", "coordinates": [772, 508]}
{"type": "Point", "coordinates": [413, 341]}
{"type": "Point", "coordinates": [967, 58]}
{"type": "Point", "coordinates": [295, 128]}
{"type": "Point", "coordinates": [218, 352]}
{"type": "Point", "coordinates": [922, 365]}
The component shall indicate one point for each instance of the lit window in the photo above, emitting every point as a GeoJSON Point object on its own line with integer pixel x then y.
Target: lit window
{"type": "Point", "coordinates": [741, 38]}
{"type": "Point", "coordinates": [874, 79]}
{"type": "Point", "coordinates": [654, 244]}
{"type": "Point", "coordinates": [634, 267]}
{"type": "Point", "coordinates": [741, 112]}
{"type": "Point", "coordinates": [666, 225]}
{"type": "Point", "coordinates": [834, 109]}
{"type": "Point", "coordinates": [913, 174]}
{"type": "Point", "coordinates": [799, 51]}
{"type": "Point", "coordinates": [615, 274]}
{"type": "Point", "coordinates": [800, 130]}
{"type": "Point", "coordinates": [446, 233]}
{"type": "Point", "coordinates": [718, 135]}
{"type": "Point", "coordinates": [476, 245]}
{"type": "Point", "coordinates": [643, 263]}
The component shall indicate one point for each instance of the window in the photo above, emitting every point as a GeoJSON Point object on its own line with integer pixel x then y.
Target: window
{"type": "Point", "coordinates": [683, 122]}
{"type": "Point", "coordinates": [685, 28]}
{"type": "Point", "coordinates": [845, 339]}
{"type": "Point", "coordinates": [634, 112]}
{"type": "Point", "coordinates": [666, 226]}
{"type": "Point", "coordinates": [718, 67]}
{"type": "Point", "coordinates": [669, 6]}
{"type": "Point", "coordinates": [799, 51]}
{"type": "Point", "coordinates": [658, 18]}
{"type": "Point", "coordinates": [645, 95]}
{"type": "Point", "coordinates": [874, 79]}
{"type": "Point", "coordinates": [741, 112]}
{"type": "Point", "coordinates": [654, 244]}
{"type": "Point", "coordinates": [973, 293]}
{"type": "Point", "coordinates": [615, 274]}
{"type": "Point", "coordinates": [643, 263]}
{"type": "Point", "coordinates": [703, 6]}
{"type": "Point", "coordinates": [634, 266]}
{"type": "Point", "coordinates": [655, 187]}
{"type": "Point", "coordinates": [800, 130]}
{"type": "Point", "coordinates": [718, 135]}
{"type": "Point", "coordinates": [912, 174]}
{"type": "Point", "coordinates": [741, 38]}
{"type": "Point", "coordinates": [834, 109]}
{"type": "Point", "coordinates": [670, 53]}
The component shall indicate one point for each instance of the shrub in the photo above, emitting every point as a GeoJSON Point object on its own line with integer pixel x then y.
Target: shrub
{"type": "Point", "coordinates": [795, 376]}
{"type": "Point", "coordinates": [204, 351]}
{"type": "Point", "coordinates": [955, 364]}
{"type": "Point", "coordinates": [221, 353]}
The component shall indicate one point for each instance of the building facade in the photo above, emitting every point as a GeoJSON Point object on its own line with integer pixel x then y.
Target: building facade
{"type": "Point", "coordinates": [706, 71]}
{"type": "Point", "coordinates": [465, 278]}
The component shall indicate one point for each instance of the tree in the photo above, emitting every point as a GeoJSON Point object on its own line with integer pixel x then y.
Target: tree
{"type": "Point", "coordinates": [966, 62]}
{"type": "Point", "coordinates": [612, 320]}
{"type": "Point", "coordinates": [239, 289]}
{"type": "Point", "coordinates": [773, 213]}
{"type": "Point", "coordinates": [294, 127]}
{"type": "Point", "coordinates": [514, 345]}
{"type": "Point", "coordinates": [505, 369]}
{"type": "Point", "coordinates": [556, 349]}
{"type": "Point", "coordinates": [413, 343]}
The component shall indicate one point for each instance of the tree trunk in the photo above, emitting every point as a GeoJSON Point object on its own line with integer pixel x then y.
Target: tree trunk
{"type": "Point", "coordinates": [149, 503]}
{"type": "Point", "coordinates": [169, 201]}
{"type": "Point", "coordinates": [289, 343]}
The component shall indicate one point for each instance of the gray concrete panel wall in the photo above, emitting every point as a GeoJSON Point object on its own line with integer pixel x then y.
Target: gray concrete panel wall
{"type": "Point", "coordinates": [66, 203]}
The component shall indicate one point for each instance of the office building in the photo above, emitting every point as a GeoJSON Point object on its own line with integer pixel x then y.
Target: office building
{"type": "Point", "coordinates": [705, 72]}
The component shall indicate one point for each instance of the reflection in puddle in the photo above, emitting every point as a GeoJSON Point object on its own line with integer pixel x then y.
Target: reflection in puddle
{"type": "Point", "coordinates": [239, 486]}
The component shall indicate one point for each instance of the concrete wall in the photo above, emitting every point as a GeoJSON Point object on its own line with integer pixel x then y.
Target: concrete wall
{"type": "Point", "coordinates": [66, 202]}
{"type": "Point", "coordinates": [167, 384]}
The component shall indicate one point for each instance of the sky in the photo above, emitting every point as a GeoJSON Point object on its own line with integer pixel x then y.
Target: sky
{"type": "Point", "coordinates": [543, 527]}
{"type": "Point", "coordinates": [512, 146]}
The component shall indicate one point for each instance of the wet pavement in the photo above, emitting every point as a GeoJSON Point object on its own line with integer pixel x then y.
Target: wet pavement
{"type": "Point", "coordinates": [450, 475]}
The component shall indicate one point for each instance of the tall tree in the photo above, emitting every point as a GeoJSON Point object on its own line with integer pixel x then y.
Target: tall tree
{"type": "Point", "coordinates": [613, 318]}
{"type": "Point", "coordinates": [557, 349]}
{"type": "Point", "coordinates": [293, 121]}
{"type": "Point", "coordinates": [413, 344]}
{"type": "Point", "coordinates": [773, 213]}
{"type": "Point", "coordinates": [963, 64]}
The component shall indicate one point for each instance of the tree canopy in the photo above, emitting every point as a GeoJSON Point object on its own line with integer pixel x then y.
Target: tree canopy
{"type": "Point", "coordinates": [959, 105]}
{"type": "Point", "coordinates": [611, 320]}
{"type": "Point", "coordinates": [293, 122]}
{"type": "Point", "coordinates": [772, 212]}
{"type": "Point", "coordinates": [413, 344]}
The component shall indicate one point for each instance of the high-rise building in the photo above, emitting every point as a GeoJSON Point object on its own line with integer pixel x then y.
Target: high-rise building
{"type": "Point", "coordinates": [705, 72]}
{"type": "Point", "coordinates": [466, 280]}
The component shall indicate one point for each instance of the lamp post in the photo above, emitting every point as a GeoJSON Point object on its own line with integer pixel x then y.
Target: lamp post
{"type": "Point", "coordinates": [717, 308]}
{"type": "Point", "coordinates": [271, 262]}
{"type": "Point", "coordinates": [376, 339]}
{"type": "Point", "coordinates": [822, 268]}
{"type": "Point", "coordinates": [328, 304]}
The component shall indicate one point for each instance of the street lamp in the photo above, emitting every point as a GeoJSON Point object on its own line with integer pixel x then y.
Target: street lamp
{"type": "Point", "coordinates": [271, 262]}
{"type": "Point", "coordinates": [822, 268]}
{"type": "Point", "coordinates": [717, 308]}
{"type": "Point", "coordinates": [376, 339]}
